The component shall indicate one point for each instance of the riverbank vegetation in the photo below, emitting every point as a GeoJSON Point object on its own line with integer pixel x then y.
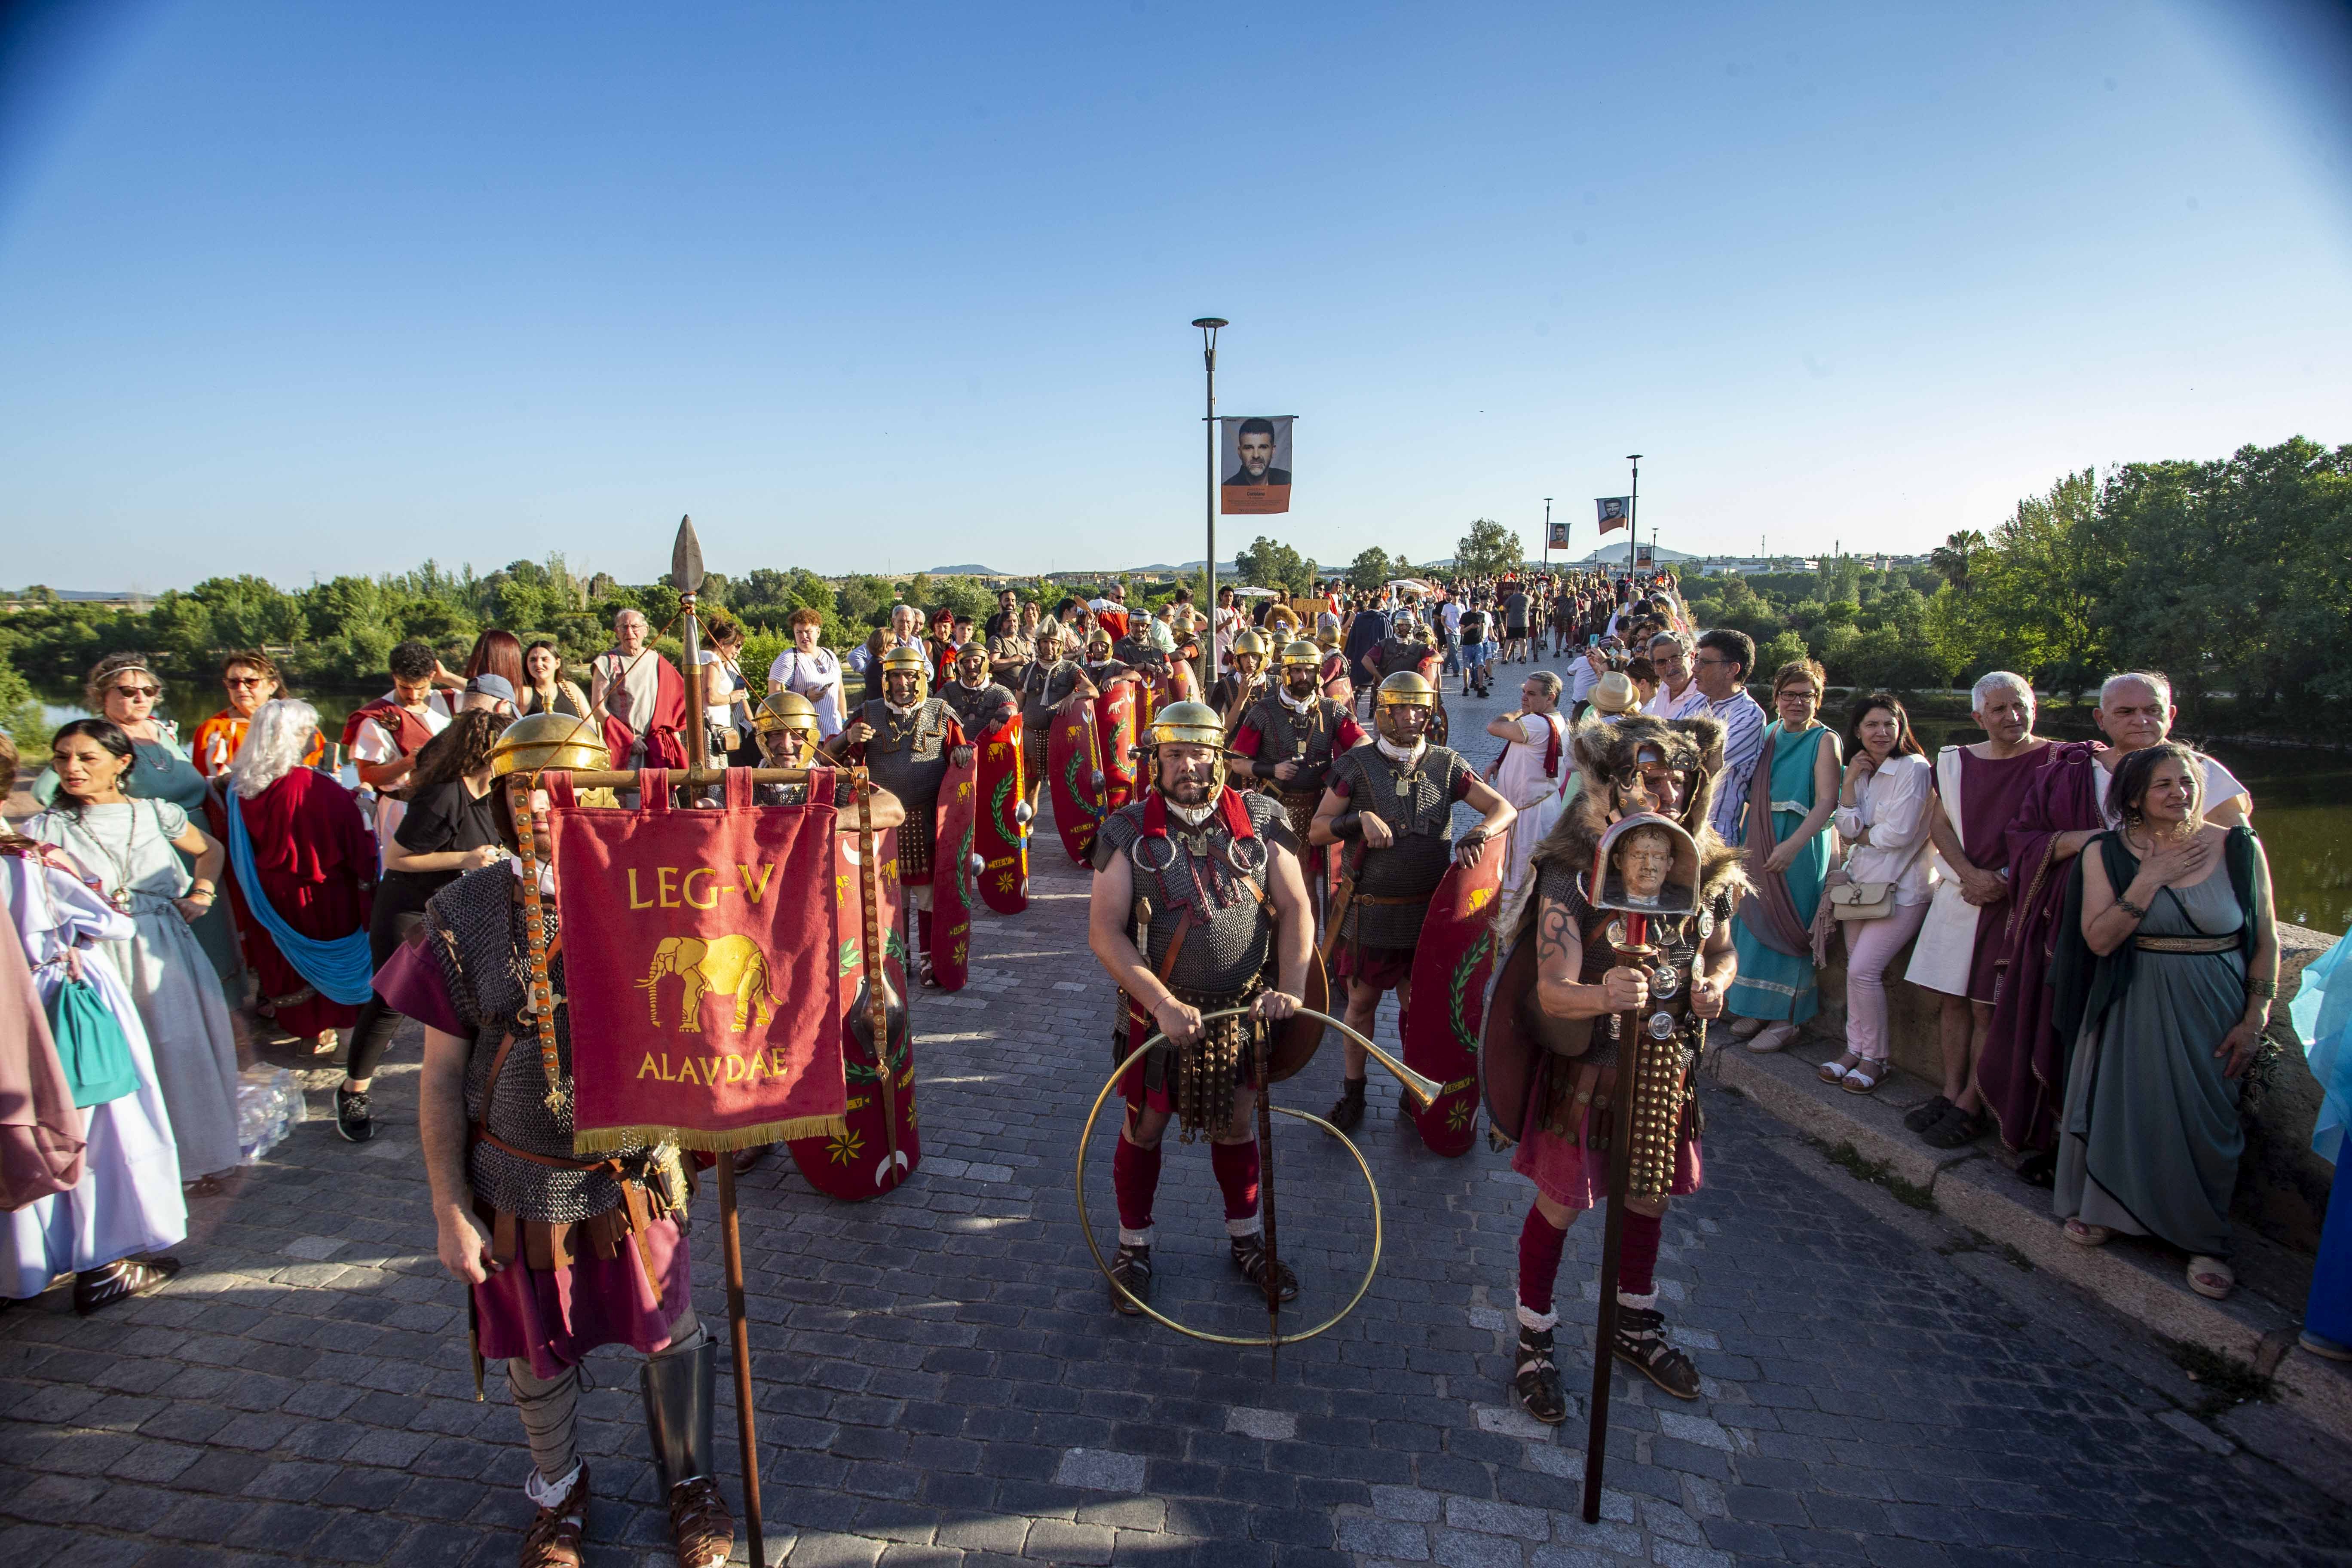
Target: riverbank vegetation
{"type": "Point", "coordinates": [2234, 577]}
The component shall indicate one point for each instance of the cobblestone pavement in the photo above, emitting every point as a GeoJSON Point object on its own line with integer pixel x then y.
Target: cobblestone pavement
{"type": "Point", "coordinates": [940, 1380]}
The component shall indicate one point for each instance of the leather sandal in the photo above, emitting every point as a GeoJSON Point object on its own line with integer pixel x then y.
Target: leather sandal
{"type": "Point", "coordinates": [553, 1539]}
{"type": "Point", "coordinates": [1250, 1261]}
{"type": "Point", "coordinates": [701, 1531]}
{"type": "Point", "coordinates": [1132, 1269]}
{"type": "Point", "coordinates": [99, 1288]}
{"type": "Point", "coordinates": [1641, 1341]}
{"type": "Point", "coordinates": [1535, 1380]}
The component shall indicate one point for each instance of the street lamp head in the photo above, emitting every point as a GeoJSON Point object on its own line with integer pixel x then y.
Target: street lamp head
{"type": "Point", "coordinates": [1211, 323]}
{"type": "Point", "coordinates": [1633, 457]}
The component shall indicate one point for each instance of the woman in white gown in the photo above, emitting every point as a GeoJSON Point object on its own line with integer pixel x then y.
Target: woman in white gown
{"type": "Point", "coordinates": [127, 845]}
{"type": "Point", "coordinates": [128, 1201]}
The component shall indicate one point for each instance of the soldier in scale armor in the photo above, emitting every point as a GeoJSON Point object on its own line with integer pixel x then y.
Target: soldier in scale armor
{"type": "Point", "coordinates": [907, 740]}
{"type": "Point", "coordinates": [1391, 805]}
{"type": "Point", "coordinates": [1291, 736]}
{"type": "Point", "coordinates": [562, 1255]}
{"type": "Point", "coordinates": [1198, 906]}
{"type": "Point", "coordinates": [1643, 766]}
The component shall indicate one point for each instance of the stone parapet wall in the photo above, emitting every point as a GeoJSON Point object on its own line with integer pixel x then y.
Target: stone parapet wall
{"type": "Point", "coordinates": [2283, 1186]}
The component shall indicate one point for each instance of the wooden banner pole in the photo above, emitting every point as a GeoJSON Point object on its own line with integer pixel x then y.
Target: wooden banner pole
{"type": "Point", "coordinates": [686, 576]}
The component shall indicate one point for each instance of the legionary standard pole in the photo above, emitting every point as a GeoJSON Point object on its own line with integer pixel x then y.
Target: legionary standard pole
{"type": "Point", "coordinates": [1633, 511]}
{"type": "Point", "coordinates": [686, 576]}
{"type": "Point", "coordinates": [1209, 326]}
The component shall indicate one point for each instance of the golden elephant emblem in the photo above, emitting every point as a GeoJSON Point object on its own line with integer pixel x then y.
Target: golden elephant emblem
{"type": "Point", "coordinates": [730, 965]}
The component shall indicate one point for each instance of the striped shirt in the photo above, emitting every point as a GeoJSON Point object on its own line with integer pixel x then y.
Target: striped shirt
{"type": "Point", "coordinates": [1743, 741]}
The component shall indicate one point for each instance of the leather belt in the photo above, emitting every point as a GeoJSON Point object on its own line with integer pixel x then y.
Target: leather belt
{"type": "Point", "coordinates": [2186, 943]}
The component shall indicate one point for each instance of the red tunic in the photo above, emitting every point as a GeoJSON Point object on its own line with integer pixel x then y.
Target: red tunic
{"type": "Point", "coordinates": [317, 864]}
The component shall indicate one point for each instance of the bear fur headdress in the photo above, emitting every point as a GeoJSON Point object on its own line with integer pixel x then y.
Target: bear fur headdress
{"type": "Point", "coordinates": [1604, 751]}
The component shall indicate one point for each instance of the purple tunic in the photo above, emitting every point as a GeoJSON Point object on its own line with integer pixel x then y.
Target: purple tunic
{"type": "Point", "coordinates": [1991, 790]}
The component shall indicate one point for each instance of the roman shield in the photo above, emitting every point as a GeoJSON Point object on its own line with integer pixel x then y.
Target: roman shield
{"type": "Point", "coordinates": [952, 857]}
{"type": "Point", "coordinates": [879, 1145]}
{"type": "Point", "coordinates": [1116, 718]}
{"type": "Point", "coordinates": [999, 837]}
{"type": "Point", "coordinates": [1510, 1053]}
{"type": "Point", "coordinates": [1075, 779]}
{"type": "Point", "coordinates": [1451, 964]}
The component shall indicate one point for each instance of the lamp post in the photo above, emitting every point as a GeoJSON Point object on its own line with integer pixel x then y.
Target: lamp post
{"type": "Point", "coordinates": [1209, 326]}
{"type": "Point", "coordinates": [1632, 511]}
{"type": "Point", "coordinates": [1547, 549]}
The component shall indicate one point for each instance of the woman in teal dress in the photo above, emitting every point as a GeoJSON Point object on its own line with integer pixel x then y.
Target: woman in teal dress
{"type": "Point", "coordinates": [1794, 793]}
{"type": "Point", "coordinates": [122, 688]}
{"type": "Point", "coordinates": [2166, 969]}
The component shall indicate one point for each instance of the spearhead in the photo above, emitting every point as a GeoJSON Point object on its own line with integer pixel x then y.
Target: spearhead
{"type": "Point", "coordinates": [686, 559]}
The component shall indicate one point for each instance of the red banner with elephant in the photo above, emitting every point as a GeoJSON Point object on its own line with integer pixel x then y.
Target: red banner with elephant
{"type": "Point", "coordinates": [700, 949]}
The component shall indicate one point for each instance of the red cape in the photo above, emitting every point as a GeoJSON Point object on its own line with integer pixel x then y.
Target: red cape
{"type": "Point", "coordinates": [664, 749]}
{"type": "Point", "coordinates": [317, 862]}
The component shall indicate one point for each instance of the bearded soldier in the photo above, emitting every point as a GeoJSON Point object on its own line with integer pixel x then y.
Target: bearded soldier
{"type": "Point", "coordinates": [562, 1255]}
{"type": "Point", "coordinates": [1641, 764]}
{"type": "Point", "coordinates": [906, 741]}
{"type": "Point", "coordinates": [980, 703]}
{"type": "Point", "coordinates": [1391, 804]}
{"type": "Point", "coordinates": [1289, 738]}
{"type": "Point", "coordinates": [1207, 879]}
{"type": "Point", "coordinates": [1241, 685]}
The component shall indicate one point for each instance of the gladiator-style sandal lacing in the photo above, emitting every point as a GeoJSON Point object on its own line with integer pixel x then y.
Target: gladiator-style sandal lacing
{"type": "Point", "coordinates": [1250, 1261]}
{"type": "Point", "coordinates": [1536, 1381]}
{"type": "Point", "coordinates": [1641, 1340]}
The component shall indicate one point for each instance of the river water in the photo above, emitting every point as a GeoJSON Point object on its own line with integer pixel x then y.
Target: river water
{"type": "Point", "coordinates": [2303, 795]}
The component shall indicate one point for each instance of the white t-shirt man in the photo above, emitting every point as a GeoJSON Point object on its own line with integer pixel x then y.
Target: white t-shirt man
{"type": "Point", "coordinates": [1663, 704]}
{"type": "Point", "coordinates": [376, 743]}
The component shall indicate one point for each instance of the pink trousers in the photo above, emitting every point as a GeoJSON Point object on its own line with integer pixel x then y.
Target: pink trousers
{"type": "Point", "coordinates": [1870, 947]}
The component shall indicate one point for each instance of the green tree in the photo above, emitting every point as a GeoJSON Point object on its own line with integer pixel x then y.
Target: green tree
{"type": "Point", "coordinates": [1268, 564]}
{"type": "Point", "coordinates": [1488, 550]}
{"type": "Point", "coordinates": [1369, 570]}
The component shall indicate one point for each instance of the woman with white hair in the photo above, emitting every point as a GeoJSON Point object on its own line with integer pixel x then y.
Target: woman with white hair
{"type": "Point", "coordinates": [314, 868]}
{"type": "Point", "coordinates": [131, 849]}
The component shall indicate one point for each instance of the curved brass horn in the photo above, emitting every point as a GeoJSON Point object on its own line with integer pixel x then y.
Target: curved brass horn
{"type": "Point", "coordinates": [1420, 1086]}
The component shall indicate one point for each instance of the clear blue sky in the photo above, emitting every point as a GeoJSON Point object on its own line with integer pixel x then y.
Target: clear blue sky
{"type": "Point", "coordinates": [301, 290]}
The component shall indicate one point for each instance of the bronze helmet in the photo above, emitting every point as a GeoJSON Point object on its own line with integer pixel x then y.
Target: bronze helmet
{"type": "Point", "coordinates": [1405, 688]}
{"type": "Point", "coordinates": [908, 657]}
{"type": "Point", "coordinates": [1186, 724]}
{"type": "Point", "coordinates": [563, 743]}
{"type": "Point", "coordinates": [788, 711]}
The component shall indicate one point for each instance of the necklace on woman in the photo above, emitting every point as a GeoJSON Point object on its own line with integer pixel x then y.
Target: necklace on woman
{"type": "Point", "coordinates": [121, 897]}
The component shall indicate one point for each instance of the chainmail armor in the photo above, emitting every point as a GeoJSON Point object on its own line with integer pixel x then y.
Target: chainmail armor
{"type": "Point", "coordinates": [1396, 657]}
{"type": "Point", "coordinates": [1423, 820]}
{"type": "Point", "coordinates": [1306, 738]}
{"type": "Point", "coordinates": [1231, 940]}
{"type": "Point", "coordinates": [476, 939]}
{"type": "Point", "coordinates": [908, 756]}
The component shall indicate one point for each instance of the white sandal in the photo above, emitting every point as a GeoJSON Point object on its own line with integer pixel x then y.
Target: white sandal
{"type": "Point", "coordinates": [1864, 1075]}
{"type": "Point", "coordinates": [2211, 1268]}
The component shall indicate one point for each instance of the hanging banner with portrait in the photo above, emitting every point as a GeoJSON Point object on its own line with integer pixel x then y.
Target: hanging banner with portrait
{"type": "Point", "coordinates": [1254, 460]}
{"type": "Point", "coordinates": [1558, 536]}
{"type": "Point", "coordinates": [1613, 509]}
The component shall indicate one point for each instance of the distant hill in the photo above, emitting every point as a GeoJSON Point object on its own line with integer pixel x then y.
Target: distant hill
{"type": "Point", "coordinates": [967, 571]}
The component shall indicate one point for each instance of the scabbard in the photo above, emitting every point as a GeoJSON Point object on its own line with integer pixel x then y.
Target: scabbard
{"type": "Point", "coordinates": [1336, 916]}
{"type": "Point", "coordinates": [474, 1340]}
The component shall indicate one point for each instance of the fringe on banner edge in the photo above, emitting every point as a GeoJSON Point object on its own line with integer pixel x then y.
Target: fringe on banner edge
{"type": "Point", "coordinates": [604, 1140]}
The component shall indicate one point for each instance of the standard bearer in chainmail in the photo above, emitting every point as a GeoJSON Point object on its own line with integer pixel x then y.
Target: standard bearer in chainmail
{"type": "Point", "coordinates": [562, 1254]}
{"type": "Point", "coordinates": [1047, 684]}
{"type": "Point", "coordinates": [1198, 906]}
{"type": "Point", "coordinates": [905, 740]}
{"type": "Point", "coordinates": [1391, 806]}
